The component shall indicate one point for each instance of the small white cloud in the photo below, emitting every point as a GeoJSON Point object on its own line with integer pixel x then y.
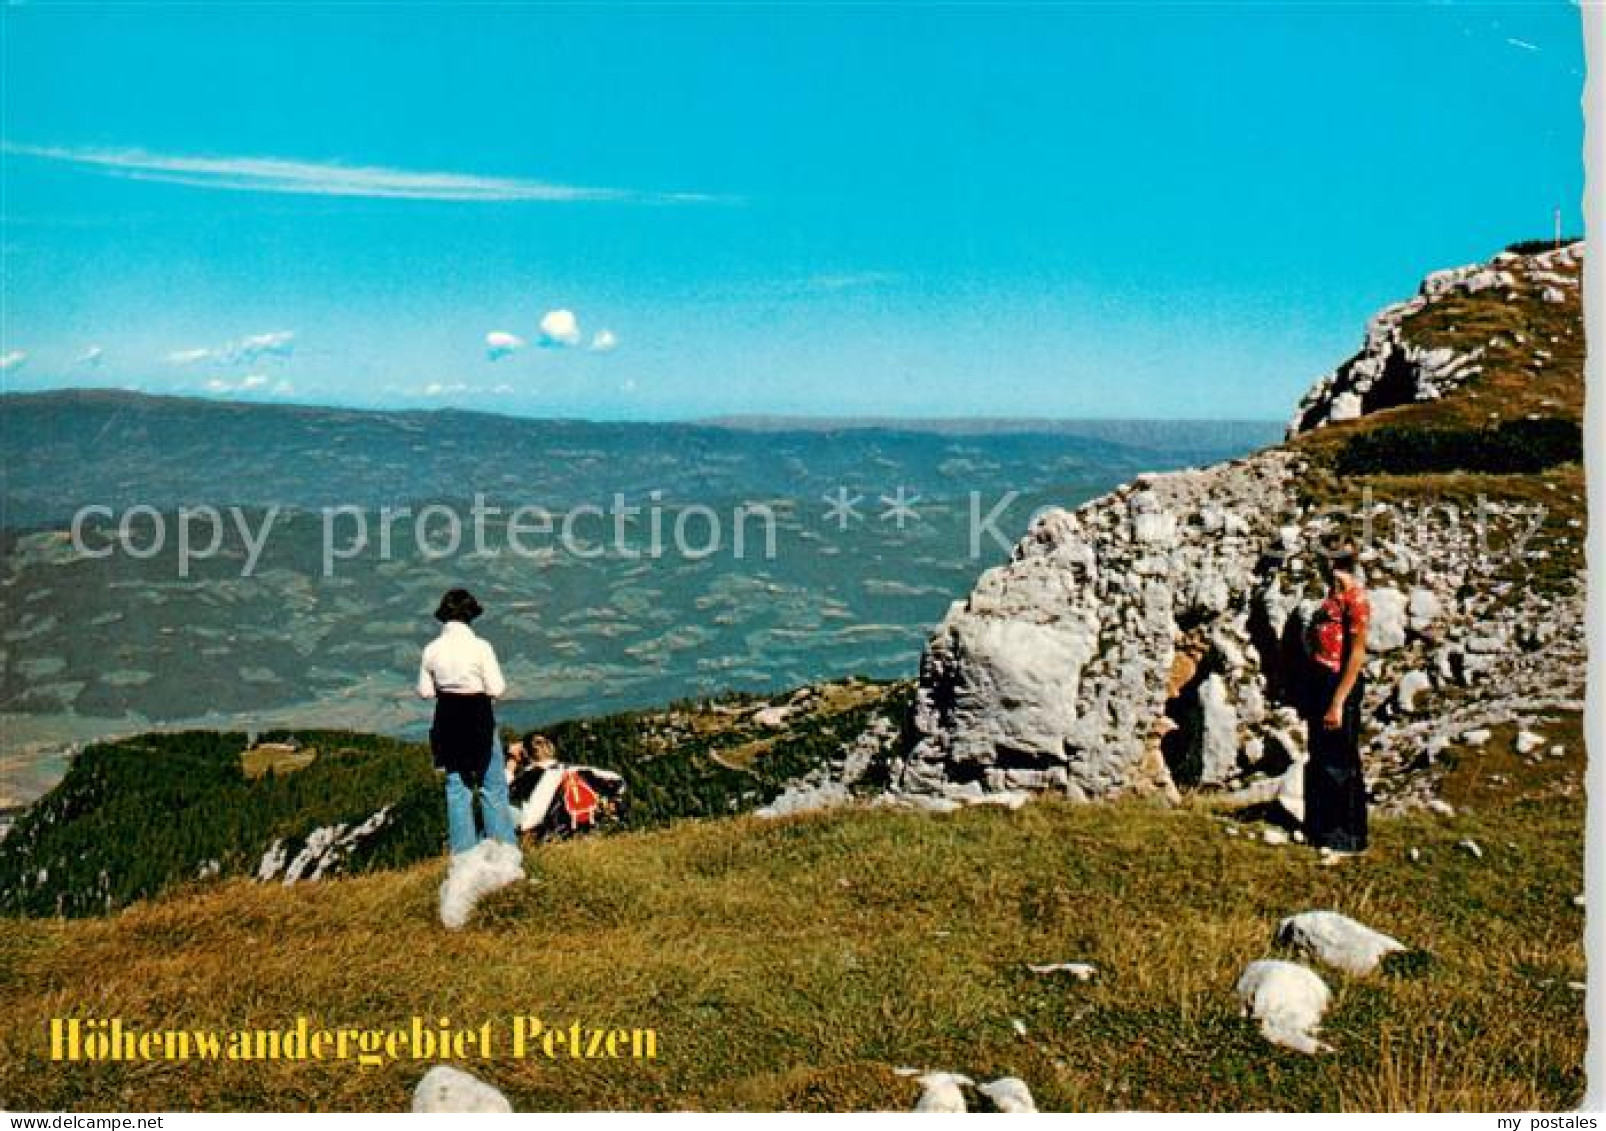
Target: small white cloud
{"type": "Point", "coordinates": [90, 356]}
{"type": "Point", "coordinates": [188, 357]}
{"type": "Point", "coordinates": [253, 381]}
{"type": "Point", "coordinates": [11, 360]}
{"type": "Point", "coordinates": [604, 341]}
{"type": "Point", "coordinates": [499, 344]}
{"type": "Point", "coordinates": [218, 385]}
{"type": "Point", "coordinates": [559, 329]}
{"type": "Point", "coordinates": [1523, 44]}
{"type": "Point", "coordinates": [284, 389]}
{"type": "Point", "coordinates": [628, 385]}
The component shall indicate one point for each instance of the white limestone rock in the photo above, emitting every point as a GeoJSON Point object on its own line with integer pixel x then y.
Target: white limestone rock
{"type": "Point", "coordinates": [1288, 1000]}
{"type": "Point", "coordinates": [1346, 406]}
{"type": "Point", "coordinates": [1422, 610]}
{"type": "Point", "coordinates": [472, 875]}
{"type": "Point", "coordinates": [1010, 1095]}
{"type": "Point", "coordinates": [1389, 619]}
{"type": "Point", "coordinates": [1217, 748]}
{"type": "Point", "coordinates": [1337, 940]}
{"type": "Point", "coordinates": [451, 1090]}
{"type": "Point", "coordinates": [1412, 684]}
{"type": "Point", "coordinates": [1081, 971]}
{"type": "Point", "coordinates": [1526, 742]}
{"type": "Point", "coordinates": [941, 1093]}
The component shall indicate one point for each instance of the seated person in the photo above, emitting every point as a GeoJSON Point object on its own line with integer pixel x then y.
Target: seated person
{"type": "Point", "coordinates": [552, 800]}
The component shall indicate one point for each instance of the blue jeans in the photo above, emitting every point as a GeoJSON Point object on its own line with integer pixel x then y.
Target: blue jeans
{"type": "Point", "coordinates": [495, 813]}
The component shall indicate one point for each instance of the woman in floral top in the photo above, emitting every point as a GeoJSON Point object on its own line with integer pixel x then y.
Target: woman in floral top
{"type": "Point", "coordinates": [1335, 790]}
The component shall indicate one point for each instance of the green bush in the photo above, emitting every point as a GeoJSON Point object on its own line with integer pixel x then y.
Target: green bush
{"type": "Point", "coordinates": [1534, 247]}
{"type": "Point", "coordinates": [1513, 447]}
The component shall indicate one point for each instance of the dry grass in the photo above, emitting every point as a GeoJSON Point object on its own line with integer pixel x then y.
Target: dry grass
{"type": "Point", "coordinates": [795, 964]}
{"type": "Point", "coordinates": [273, 758]}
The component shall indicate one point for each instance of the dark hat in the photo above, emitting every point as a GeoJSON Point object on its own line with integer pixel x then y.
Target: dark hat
{"type": "Point", "coordinates": [458, 604]}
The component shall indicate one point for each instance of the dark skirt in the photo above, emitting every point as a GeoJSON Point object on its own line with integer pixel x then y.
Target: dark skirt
{"type": "Point", "coordinates": [1335, 788]}
{"type": "Point", "coordinates": [461, 736]}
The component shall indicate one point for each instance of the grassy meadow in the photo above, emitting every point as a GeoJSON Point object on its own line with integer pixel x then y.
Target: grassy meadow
{"type": "Point", "coordinates": [796, 964]}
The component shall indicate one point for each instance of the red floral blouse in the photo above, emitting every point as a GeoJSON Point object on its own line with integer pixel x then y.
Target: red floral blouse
{"type": "Point", "coordinates": [1341, 616]}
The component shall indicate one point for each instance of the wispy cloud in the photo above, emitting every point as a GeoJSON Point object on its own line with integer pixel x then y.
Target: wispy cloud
{"type": "Point", "coordinates": [1524, 44]}
{"type": "Point", "coordinates": [11, 360]}
{"type": "Point", "coordinates": [329, 178]}
{"type": "Point", "coordinates": [258, 383]}
{"type": "Point", "coordinates": [604, 341]}
{"type": "Point", "coordinates": [254, 347]}
{"type": "Point", "coordinates": [279, 343]}
{"type": "Point", "coordinates": [90, 356]}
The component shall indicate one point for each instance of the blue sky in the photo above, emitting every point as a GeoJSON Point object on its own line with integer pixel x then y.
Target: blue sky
{"type": "Point", "coordinates": [1173, 211]}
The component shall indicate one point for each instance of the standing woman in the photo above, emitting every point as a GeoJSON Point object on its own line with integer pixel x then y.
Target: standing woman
{"type": "Point", "coordinates": [1335, 789]}
{"type": "Point", "coordinates": [459, 671]}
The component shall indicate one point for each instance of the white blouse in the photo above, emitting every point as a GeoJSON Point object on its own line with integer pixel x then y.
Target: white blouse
{"type": "Point", "coordinates": [459, 663]}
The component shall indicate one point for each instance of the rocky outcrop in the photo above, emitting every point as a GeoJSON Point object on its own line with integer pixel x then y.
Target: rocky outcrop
{"type": "Point", "coordinates": [1066, 667]}
{"type": "Point", "coordinates": [1392, 369]}
{"type": "Point", "coordinates": [1148, 640]}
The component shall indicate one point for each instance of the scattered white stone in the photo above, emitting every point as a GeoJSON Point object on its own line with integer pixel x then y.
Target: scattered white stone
{"type": "Point", "coordinates": [1579, 986]}
{"type": "Point", "coordinates": [806, 798]}
{"type": "Point", "coordinates": [1010, 1095]}
{"type": "Point", "coordinates": [1272, 835]}
{"type": "Point", "coordinates": [1415, 855]}
{"type": "Point", "coordinates": [446, 1089]}
{"type": "Point", "coordinates": [1558, 751]}
{"type": "Point", "coordinates": [1476, 737]}
{"type": "Point", "coordinates": [1578, 901]}
{"type": "Point", "coordinates": [1412, 684]}
{"type": "Point", "coordinates": [1471, 847]}
{"type": "Point", "coordinates": [772, 718]}
{"type": "Point", "coordinates": [1288, 1000]}
{"type": "Point", "coordinates": [1526, 742]}
{"type": "Point", "coordinates": [1081, 971]}
{"type": "Point", "coordinates": [1018, 1025]}
{"type": "Point", "coordinates": [941, 1092]}
{"type": "Point", "coordinates": [1337, 940]}
{"type": "Point", "coordinates": [473, 875]}
{"type": "Point", "coordinates": [1011, 799]}
{"type": "Point", "coordinates": [1440, 806]}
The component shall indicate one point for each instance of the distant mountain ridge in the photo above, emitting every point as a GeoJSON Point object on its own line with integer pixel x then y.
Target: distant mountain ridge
{"type": "Point", "coordinates": [1139, 430]}
{"type": "Point", "coordinates": [64, 448]}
